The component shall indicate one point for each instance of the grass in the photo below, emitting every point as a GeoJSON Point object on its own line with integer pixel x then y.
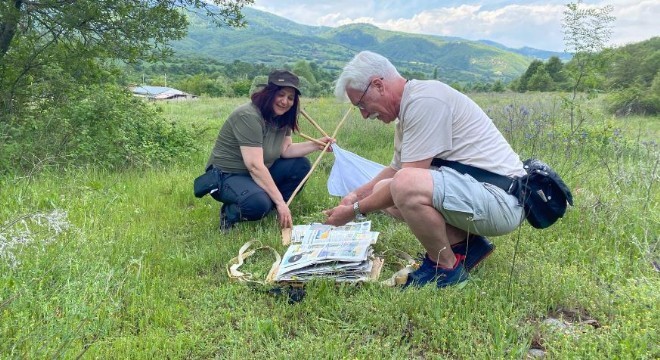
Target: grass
{"type": "Point", "coordinates": [95, 264]}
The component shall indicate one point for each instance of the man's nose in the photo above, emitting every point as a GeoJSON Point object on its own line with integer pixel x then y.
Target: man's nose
{"type": "Point", "coordinates": [364, 113]}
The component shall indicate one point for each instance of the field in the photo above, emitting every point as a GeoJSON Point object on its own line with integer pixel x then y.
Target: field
{"type": "Point", "coordinates": [99, 264]}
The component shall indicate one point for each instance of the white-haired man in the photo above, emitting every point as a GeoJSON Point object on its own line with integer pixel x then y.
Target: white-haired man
{"type": "Point", "coordinates": [449, 175]}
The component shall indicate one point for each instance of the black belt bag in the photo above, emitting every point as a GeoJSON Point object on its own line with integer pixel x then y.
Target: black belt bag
{"type": "Point", "coordinates": [208, 182]}
{"type": "Point", "coordinates": [542, 192]}
{"type": "Point", "coordinates": [481, 175]}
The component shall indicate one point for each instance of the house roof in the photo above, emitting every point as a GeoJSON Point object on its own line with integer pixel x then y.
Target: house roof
{"type": "Point", "coordinates": [154, 90]}
{"type": "Point", "coordinates": [159, 92]}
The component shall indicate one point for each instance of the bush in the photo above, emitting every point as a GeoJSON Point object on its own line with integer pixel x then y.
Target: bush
{"type": "Point", "coordinates": [634, 100]}
{"type": "Point", "coordinates": [99, 125]}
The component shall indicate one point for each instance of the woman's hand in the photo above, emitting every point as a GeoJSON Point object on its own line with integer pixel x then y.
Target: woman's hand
{"type": "Point", "coordinates": [284, 216]}
{"type": "Point", "coordinates": [290, 149]}
{"type": "Point", "coordinates": [324, 140]}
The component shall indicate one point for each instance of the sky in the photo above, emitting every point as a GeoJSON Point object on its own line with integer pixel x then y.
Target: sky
{"type": "Point", "coordinates": [513, 23]}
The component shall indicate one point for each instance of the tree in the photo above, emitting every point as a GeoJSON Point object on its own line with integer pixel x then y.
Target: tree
{"type": "Point", "coordinates": [540, 80]}
{"type": "Point", "coordinates": [54, 55]}
{"type": "Point", "coordinates": [633, 79]}
{"type": "Point", "coordinates": [303, 69]}
{"type": "Point", "coordinates": [586, 32]}
{"type": "Point", "coordinates": [73, 34]}
{"type": "Point", "coordinates": [555, 69]}
{"type": "Point", "coordinates": [481, 87]}
{"type": "Point", "coordinates": [457, 86]}
{"type": "Point", "coordinates": [242, 87]}
{"type": "Point", "coordinates": [498, 86]}
{"type": "Point", "coordinates": [531, 70]}
{"type": "Point", "coordinates": [124, 29]}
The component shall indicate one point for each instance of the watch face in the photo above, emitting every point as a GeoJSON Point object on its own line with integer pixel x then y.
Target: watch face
{"type": "Point", "coordinates": [356, 210]}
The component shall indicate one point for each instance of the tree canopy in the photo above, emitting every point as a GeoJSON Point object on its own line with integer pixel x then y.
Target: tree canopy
{"type": "Point", "coordinates": [70, 34]}
{"type": "Point", "coordinates": [629, 74]}
{"type": "Point", "coordinates": [55, 53]}
{"type": "Point", "coordinates": [118, 29]}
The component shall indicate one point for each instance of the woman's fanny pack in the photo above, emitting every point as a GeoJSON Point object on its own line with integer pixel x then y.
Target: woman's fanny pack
{"type": "Point", "coordinates": [208, 182]}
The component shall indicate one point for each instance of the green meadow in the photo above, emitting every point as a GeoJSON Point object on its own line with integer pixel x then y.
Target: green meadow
{"type": "Point", "coordinates": [130, 265]}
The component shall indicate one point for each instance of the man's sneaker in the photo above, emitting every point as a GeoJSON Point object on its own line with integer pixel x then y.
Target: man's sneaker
{"type": "Point", "coordinates": [429, 271]}
{"type": "Point", "coordinates": [475, 249]}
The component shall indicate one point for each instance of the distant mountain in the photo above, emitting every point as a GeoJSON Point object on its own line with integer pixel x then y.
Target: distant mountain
{"type": "Point", "coordinates": [275, 41]}
{"type": "Point", "coordinates": [531, 52]}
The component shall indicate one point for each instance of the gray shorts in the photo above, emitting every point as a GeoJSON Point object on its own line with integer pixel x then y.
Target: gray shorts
{"type": "Point", "coordinates": [479, 208]}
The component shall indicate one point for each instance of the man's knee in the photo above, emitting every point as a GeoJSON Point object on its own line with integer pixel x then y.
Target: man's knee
{"type": "Point", "coordinates": [404, 183]}
{"type": "Point", "coordinates": [383, 183]}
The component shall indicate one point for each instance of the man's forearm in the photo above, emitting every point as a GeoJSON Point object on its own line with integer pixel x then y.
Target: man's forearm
{"type": "Point", "coordinates": [379, 199]}
{"type": "Point", "coordinates": [368, 188]}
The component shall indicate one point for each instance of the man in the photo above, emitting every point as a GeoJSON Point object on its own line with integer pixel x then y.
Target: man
{"type": "Point", "coordinates": [449, 212]}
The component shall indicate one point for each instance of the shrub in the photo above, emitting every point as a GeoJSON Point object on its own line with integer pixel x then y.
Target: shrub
{"type": "Point", "coordinates": [635, 100]}
{"type": "Point", "coordinates": [100, 125]}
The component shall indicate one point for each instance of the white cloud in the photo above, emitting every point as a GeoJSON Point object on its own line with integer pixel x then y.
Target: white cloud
{"type": "Point", "coordinates": [332, 19]}
{"type": "Point", "coordinates": [511, 23]}
{"type": "Point", "coordinates": [635, 21]}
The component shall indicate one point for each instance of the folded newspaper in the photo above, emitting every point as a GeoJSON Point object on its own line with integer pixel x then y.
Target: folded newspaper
{"type": "Point", "coordinates": [343, 253]}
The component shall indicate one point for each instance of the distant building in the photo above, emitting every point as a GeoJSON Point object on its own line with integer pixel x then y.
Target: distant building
{"type": "Point", "coordinates": [160, 93]}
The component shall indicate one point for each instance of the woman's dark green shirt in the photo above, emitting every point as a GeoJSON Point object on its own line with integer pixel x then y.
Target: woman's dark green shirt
{"type": "Point", "coordinates": [246, 127]}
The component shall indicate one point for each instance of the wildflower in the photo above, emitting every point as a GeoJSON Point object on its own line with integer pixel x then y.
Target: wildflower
{"type": "Point", "coordinates": [28, 231]}
{"type": "Point", "coordinates": [524, 111]}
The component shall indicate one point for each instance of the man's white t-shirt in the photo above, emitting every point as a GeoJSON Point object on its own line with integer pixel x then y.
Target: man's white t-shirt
{"type": "Point", "coordinates": [437, 121]}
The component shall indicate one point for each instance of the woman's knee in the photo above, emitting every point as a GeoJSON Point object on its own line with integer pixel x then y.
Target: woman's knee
{"type": "Point", "coordinates": [255, 206]}
{"type": "Point", "coordinates": [300, 167]}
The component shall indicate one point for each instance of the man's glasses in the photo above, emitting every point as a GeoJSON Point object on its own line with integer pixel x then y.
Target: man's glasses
{"type": "Point", "coordinates": [359, 103]}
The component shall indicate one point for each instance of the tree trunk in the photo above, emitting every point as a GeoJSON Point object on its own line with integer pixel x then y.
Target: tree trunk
{"type": "Point", "coordinates": [8, 27]}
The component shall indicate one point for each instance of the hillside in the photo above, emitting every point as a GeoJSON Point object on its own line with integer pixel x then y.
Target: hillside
{"type": "Point", "coordinates": [274, 41]}
{"type": "Point", "coordinates": [531, 52]}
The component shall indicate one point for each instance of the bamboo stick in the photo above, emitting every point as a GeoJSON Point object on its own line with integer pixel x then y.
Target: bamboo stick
{"type": "Point", "coordinates": [313, 122]}
{"type": "Point", "coordinates": [286, 232]}
{"type": "Point", "coordinates": [325, 148]}
{"type": "Point", "coordinates": [311, 139]}
{"type": "Point", "coordinates": [341, 122]}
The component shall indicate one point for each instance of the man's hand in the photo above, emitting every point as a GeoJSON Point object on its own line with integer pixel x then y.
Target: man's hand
{"type": "Point", "coordinates": [349, 199]}
{"type": "Point", "coordinates": [340, 215]}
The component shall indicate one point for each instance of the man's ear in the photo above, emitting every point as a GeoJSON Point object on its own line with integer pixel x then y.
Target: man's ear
{"type": "Point", "coordinates": [379, 84]}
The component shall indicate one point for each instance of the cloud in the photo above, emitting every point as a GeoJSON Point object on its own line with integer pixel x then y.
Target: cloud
{"type": "Point", "coordinates": [515, 24]}
{"type": "Point", "coordinates": [332, 19]}
{"type": "Point", "coordinates": [512, 25]}
{"type": "Point", "coordinates": [635, 21]}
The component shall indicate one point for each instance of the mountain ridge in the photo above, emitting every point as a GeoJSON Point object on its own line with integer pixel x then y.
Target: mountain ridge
{"type": "Point", "coordinates": [276, 41]}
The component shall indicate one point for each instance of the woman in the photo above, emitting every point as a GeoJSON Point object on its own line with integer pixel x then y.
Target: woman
{"type": "Point", "coordinates": [259, 163]}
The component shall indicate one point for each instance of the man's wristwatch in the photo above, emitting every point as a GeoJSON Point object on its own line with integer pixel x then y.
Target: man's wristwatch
{"type": "Point", "coordinates": [356, 210]}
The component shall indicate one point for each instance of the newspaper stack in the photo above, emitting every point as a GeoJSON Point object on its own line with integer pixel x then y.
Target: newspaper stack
{"type": "Point", "coordinates": [343, 253]}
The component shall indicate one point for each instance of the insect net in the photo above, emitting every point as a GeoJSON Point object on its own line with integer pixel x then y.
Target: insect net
{"type": "Point", "coordinates": [350, 171]}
